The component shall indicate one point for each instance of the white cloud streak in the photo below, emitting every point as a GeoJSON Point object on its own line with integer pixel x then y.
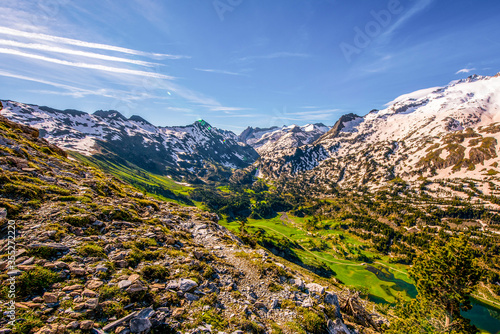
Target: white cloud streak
{"type": "Point", "coordinates": [277, 55]}
{"type": "Point", "coordinates": [76, 91]}
{"type": "Point", "coordinates": [56, 49]}
{"type": "Point", "coordinates": [217, 71]}
{"type": "Point", "coordinates": [417, 8]}
{"type": "Point", "coordinates": [86, 65]}
{"type": "Point", "coordinates": [465, 70]}
{"type": "Point", "coordinates": [69, 41]}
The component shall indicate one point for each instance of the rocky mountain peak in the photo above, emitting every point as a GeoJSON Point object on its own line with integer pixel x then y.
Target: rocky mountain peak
{"type": "Point", "coordinates": [136, 118]}
{"type": "Point", "coordinates": [110, 114]}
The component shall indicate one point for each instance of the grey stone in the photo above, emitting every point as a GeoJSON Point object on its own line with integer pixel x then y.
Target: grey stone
{"type": "Point", "coordinates": [191, 297]}
{"type": "Point", "coordinates": [299, 283]}
{"type": "Point", "coordinates": [332, 299]}
{"type": "Point", "coordinates": [86, 324]}
{"type": "Point", "coordinates": [136, 287]}
{"type": "Point", "coordinates": [92, 303]}
{"type": "Point", "coordinates": [15, 272]}
{"type": "Point", "coordinates": [307, 303]}
{"type": "Point", "coordinates": [316, 288]}
{"type": "Point", "coordinates": [146, 313]}
{"type": "Point", "coordinates": [139, 325]}
{"type": "Point", "coordinates": [101, 268]}
{"type": "Point", "coordinates": [124, 284]}
{"type": "Point", "coordinates": [118, 322]}
{"type": "Point", "coordinates": [275, 304]}
{"type": "Point", "coordinates": [337, 327]}
{"type": "Point", "coordinates": [58, 247]}
{"type": "Point", "coordinates": [187, 284]}
{"type": "Point", "coordinates": [3, 213]}
{"type": "Point", "coordinates": [260, 305]}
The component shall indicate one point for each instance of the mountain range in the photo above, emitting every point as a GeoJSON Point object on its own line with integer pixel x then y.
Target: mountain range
{"type": "Point", "coordinates": [436, 133]}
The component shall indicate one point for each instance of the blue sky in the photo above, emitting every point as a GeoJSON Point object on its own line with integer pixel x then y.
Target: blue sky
{"type": "Point", "coordinates": [236, 63]}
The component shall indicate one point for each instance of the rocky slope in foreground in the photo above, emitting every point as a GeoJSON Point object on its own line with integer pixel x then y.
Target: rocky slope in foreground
{"type": "Point", "coordinates": [94, 255]}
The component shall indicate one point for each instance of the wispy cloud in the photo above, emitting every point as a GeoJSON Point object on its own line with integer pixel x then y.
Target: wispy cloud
{"type": "Point", "coordinates": [86, 65]}
{"type": "Point", "coordinates": [276, 55]}
{"type": "Point", "coordinates": [315, 112]}
{"type": "Point", "coordinates": [101, 66]}
{"type": "Point", "coordinates": [78, 92]}
{"type": "Point", "coordinates": [308, 115]}
{"type": "Point", "coordinates": [419, 6]}
{"type": "Point", "coordinates": [56, 49]}
{"type": "Point", "coordinates": [69, 41]}
{"type": "Point", "coordinates": [217, 71]}
{"type": "Point", "coordinates": [227, 109]}
{"type": "Point", "coordinates": [42, 81]}
{"type": "Point", "coordinates": [235, 116]}
{"type": "Point", "coordinates": [465, 70]}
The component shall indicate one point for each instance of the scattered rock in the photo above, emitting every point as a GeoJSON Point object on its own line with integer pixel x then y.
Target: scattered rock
{"type": "Point", "coordinates": [77, 271]}
{"type": "Point", "coordinates": [299, 283]}
{"type": "Point", "coordinates": [187, 284]}
{"type": "Point", "coordinates": [118, 322]}
{"type": "Point", "coordinates": [3, 213]}
{"type": "Point", "coordinates": [73, 287]}
{"type": "Point", "coordinates": [308, 303]}
{"type": "Point", "coordinates": [15, 272]}
{"type": "Point", "coordinates": [86, 324]}
{"type": "Point", "coordinates": [49, 298]}
{"type": "Point", "coordinates": [101, 268]}
{"type": "Point", "coordinates": [133, 277]}
{"type": "Point", "coordinates": [73, 325]}
{"type": "Point", "coordinates": [92, 303]}
{"type": "Point", "coordinates": [337, 327]}
{"type": "Point", "coordinates": [139, 325]}
{"type": "Point", "coordinates": [89, 293]}
{"type": "Point", "coordinates": [316, 288]}
{"type": "Point", "coordinates": [136, 287]}
{"type": "Point", "coordinates": [124, 284]}
{"type": "Point", "coordinates": [53, 246]}
{"type": "Point", "coordinates": [94, 284]}
{"type": "Point", "coordinates": [191, 297]}
{"type": "Point", "coordinates": [178, 312]}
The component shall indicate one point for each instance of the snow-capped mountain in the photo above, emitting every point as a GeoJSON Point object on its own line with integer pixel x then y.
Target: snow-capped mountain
{"type": "Point", "coordinates": [177, 148]}
{"type": "Point", "coordinates": [437, 133]}
{"type": "Point", "coordinates": [279, 138]}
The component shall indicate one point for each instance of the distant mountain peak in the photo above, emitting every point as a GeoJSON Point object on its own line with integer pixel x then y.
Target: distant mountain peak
{"type": "Point", "coordinates": [179, 150]}
{"type": "Point", "coordinates": [111, 114]}
{"type": "Point", "coordinates": [139, 119]}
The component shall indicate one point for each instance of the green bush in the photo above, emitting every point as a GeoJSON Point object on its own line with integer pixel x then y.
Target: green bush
{"type": "Point", "coordinates": [43, 252]}
{"type": "Point", "coordinates": [25, 191]}
{"type": "Point", "coordinates": [146, 203]}
{"type": "Point", "coordinates": [78, 220]}
{"type": "Point", "coordinates": [155, 272]}
{"type": "Point", "coordinates": [35, 281]}
{"type": "Point", "coordinates": [82, 199]}
{"type": "Point", "coordinates": [312, 322]}
{"type": "Point", "coordinates": [91, 250]}
{"type": "Point", "coordinates": [214, 319]}
{"type": "Point", "coordinates": [26, 327]}
{"type": "Point", "coordinates": [135, 257]}
{"type": "Point", "coordinates": [112, 309]}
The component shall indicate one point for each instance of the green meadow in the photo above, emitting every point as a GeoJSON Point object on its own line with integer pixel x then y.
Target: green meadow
{"type": "Point", "coordinates": [354, 264]}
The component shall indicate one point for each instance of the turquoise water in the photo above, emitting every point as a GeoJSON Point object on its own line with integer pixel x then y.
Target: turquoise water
{"type": "Point", "coordinates": [484, 317]}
